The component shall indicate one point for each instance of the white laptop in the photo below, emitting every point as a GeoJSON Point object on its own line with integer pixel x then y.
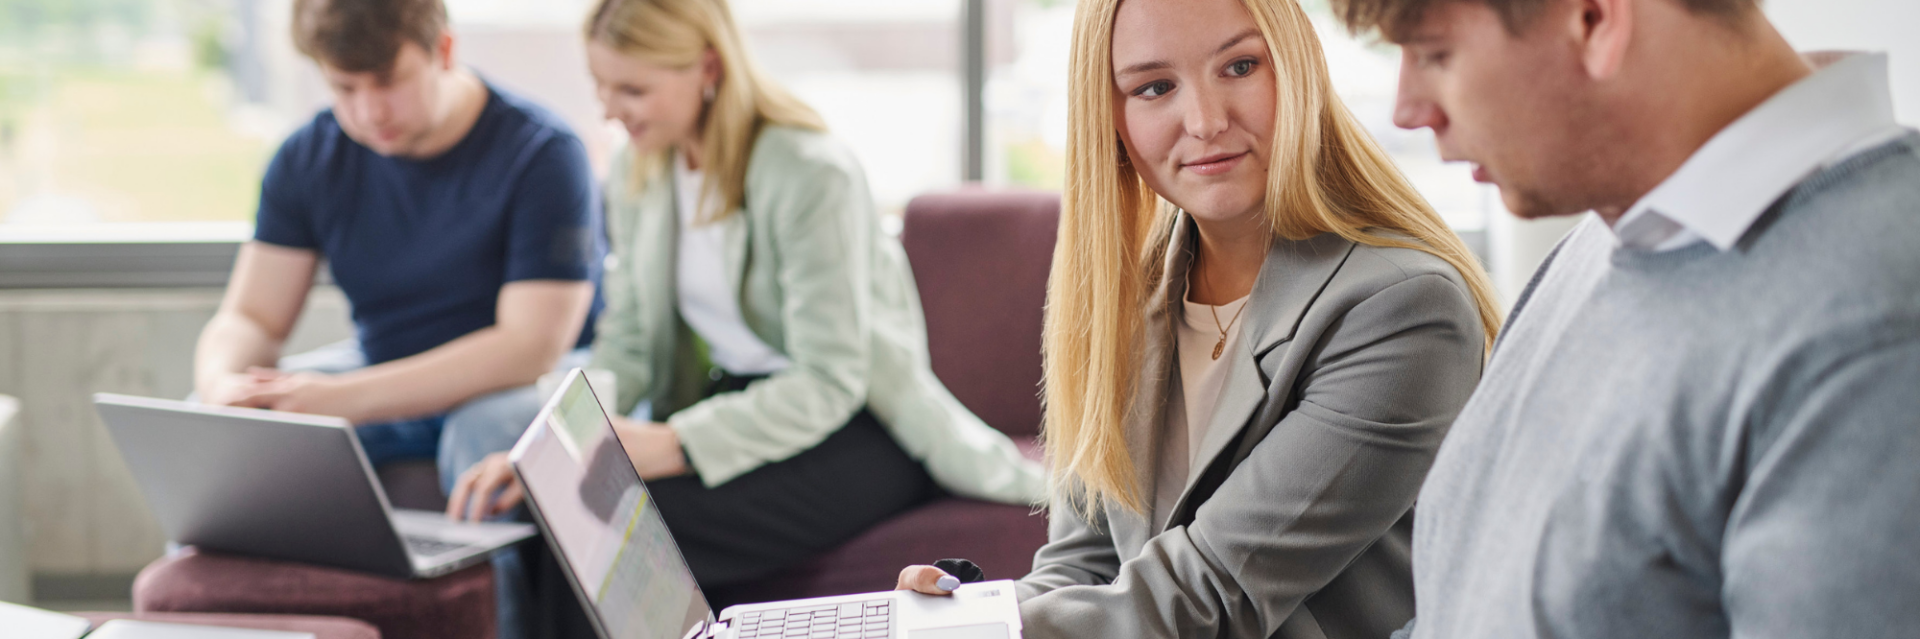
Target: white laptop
{"type": "Point", "coordinates": [22, 622]}
{"type": "Point", "coordinates": [635, 584]}
{"type": "Point", "coordinates": [283, 486]}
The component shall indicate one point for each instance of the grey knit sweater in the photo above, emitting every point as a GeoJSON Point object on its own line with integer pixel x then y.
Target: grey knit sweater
{"type": "Point", "coordinates": [1698, 443]}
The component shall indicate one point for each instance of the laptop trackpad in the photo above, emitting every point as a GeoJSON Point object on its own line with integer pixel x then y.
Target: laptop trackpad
{"type": "Point", "coordinates": [977, 631]}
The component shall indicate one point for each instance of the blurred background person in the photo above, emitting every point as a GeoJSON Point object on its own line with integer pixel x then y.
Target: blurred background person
{"type": "Point", "coordinates": [460, 221]}
{"type": "Point", "coordinates": [765, 334]}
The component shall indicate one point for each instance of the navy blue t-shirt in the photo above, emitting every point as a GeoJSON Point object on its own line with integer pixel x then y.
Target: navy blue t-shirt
{"type": "Point", "coordinates": [422, 247]}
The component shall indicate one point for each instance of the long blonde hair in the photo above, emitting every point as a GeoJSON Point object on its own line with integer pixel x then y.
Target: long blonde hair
{"type": "Point", "coordinates": [1326, 176]}
{"type": "Point", "coordinates": [677, 34]}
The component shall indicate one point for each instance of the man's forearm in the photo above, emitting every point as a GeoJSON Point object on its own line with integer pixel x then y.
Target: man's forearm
{"type": "Point", "coordinates": [487, 360]}
{"type": "Point", "coordinates": [229, 345]}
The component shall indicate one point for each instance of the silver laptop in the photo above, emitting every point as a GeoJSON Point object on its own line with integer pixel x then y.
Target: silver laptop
{"type": "Point", "coordinates": [283, 486]}
{"type": "Point", "coordinates": [22, 622]}
{"type": "Point", "coordinates": [635, 584]}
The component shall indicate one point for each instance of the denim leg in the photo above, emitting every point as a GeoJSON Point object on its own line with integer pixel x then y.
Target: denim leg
{"type": "Point", "coordinates": [512, 592]}
{"type": "Point", "coordinates": [333, 359]}
{"type": "Point", "coordinates": [417, 438]}
{"type": "Point", "coordinates": [483, 426]}
{"type": "Point", "coordinates": [491, 424]}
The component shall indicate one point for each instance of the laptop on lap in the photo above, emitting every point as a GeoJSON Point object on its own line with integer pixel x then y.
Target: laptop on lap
{"type": "Point", "coordinates": [634, 583]}
{"type": "Point", "coordinates": [283, 486]}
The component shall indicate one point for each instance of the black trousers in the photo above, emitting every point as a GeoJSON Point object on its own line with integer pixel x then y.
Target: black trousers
{"type": "Point", "coordinates": [768, 519]}
{"type": "Point", "coordinates": [783, 513]}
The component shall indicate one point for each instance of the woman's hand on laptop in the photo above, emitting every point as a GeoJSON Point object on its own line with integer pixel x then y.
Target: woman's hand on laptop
{"type": "Point", "coordinates": [487, 489]}
{"type": "Point", "coordinates": [653, 447]}
{"type": "Point", "coordinates": [926, 580]}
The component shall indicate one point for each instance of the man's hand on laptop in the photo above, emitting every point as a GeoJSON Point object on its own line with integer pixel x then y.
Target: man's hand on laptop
{"type": "Point", "coordinates": [311, 393]}
{"type": "Point", "coordinates": [231, 389]}
{"type": "Point", "coordinates": [485, 490]}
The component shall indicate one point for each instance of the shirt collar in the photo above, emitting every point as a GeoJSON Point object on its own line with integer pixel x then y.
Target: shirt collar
{"type": "Point", "coordinates": [1726, 185]}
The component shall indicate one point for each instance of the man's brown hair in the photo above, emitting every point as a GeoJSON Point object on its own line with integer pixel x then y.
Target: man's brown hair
{"type": "Point", "coordinates": [1392, 18]}
{"type": "Point", "coordinates": [362, 36]}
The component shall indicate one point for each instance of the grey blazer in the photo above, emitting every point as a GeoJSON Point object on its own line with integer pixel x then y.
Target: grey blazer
{"type": "Point", "coordinates": [1297, 515]}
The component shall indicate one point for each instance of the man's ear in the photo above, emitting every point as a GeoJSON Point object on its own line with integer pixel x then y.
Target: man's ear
{"type": "Point", "coordinates": [1605, 28]}
{"type": "Point", "coordinates": [443, 50]}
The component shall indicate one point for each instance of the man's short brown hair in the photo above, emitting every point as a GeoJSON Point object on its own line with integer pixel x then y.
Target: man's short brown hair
{"type": "Point", "coordinates": [1392, 18]}
{"type": "Point", "coordinates": [361, 36]}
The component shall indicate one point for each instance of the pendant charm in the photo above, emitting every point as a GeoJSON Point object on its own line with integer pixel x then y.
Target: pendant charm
{"type": "Point", "coordinates": [1219, 347]}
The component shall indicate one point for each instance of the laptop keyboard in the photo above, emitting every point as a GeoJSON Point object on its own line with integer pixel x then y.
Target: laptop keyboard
{"type": "Point", "coordinates": [425, 547]}
{"type": "Point", "coordinates": [854, 620]}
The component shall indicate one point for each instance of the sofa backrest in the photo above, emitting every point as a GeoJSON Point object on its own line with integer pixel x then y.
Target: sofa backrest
{"type": "Point", "coordinates": [981, 258]}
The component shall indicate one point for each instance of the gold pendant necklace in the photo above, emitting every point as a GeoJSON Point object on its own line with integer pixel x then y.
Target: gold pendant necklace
{"type": "Point", "coordinates": [1221, 346]}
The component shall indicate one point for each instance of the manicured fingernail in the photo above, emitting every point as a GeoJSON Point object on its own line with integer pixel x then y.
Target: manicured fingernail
{"type": "Point", "coordinates": [948, 583]}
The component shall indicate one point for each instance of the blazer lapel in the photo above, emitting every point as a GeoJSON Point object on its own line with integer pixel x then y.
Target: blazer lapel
{"type": "Point", "coordinates": [651, 246]}
{"type": "Point", "coordinates": [734, 230]}
{"type": "Point", "coordinates": [1290, 280]}
{"type": "Point", "coordinates": [656, 237]}
{"type": "Point", "coordinates": [1295, 273]}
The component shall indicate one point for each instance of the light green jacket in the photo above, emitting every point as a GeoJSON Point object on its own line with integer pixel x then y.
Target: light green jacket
{"type": "Point", "coordinates": [819, 282]}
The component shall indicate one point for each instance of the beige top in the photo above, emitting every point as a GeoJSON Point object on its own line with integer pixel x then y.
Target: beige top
{"type": "Point", "coordinates": [1196, 336]}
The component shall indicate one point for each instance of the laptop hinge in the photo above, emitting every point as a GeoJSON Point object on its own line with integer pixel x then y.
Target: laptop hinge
{"type": "Point", "coordinates": [706, 630]}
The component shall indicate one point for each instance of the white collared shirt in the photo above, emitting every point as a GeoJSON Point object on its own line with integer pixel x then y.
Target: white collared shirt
{"type": "Point", "coordinates": [708, 302]}
{"type": "Point", "coordinates": [1724, 187]}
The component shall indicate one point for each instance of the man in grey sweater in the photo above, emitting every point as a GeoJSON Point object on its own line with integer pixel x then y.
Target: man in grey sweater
{"type": "Point", "coordinates": [1703, 416]}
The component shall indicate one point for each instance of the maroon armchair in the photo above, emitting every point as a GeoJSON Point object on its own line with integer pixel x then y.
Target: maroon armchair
{"type": "Point", "coordinates": [980, 259]}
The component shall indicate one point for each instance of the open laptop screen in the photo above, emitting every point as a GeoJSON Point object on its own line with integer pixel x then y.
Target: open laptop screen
{"type": "Point", "coordinates": [600, 519]}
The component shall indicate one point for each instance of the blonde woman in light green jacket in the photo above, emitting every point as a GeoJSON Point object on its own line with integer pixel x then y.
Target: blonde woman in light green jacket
{"type": "Point", "coordinates": [755, 306]}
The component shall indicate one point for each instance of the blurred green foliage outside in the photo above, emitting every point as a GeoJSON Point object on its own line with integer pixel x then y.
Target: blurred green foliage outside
{"type": "Point", "coordinates": [119, 111]}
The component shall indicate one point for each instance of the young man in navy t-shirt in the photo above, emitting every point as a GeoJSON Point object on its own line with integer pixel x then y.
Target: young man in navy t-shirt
{"type": "Point", "coordinates": [461, 222]}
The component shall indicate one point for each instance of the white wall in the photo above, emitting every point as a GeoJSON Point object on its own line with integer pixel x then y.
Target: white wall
{"type": "Point", "coordinates": [1892, 26]}
{"type": "Point", "coordinates": [83, 513]}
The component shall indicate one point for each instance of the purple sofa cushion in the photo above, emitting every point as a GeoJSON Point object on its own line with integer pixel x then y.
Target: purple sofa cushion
{"type": "Point", "coordinates": [980, 259]}
{"type": "Point", "coordinates": [998, 537]}
{"type": "Point", "coordinates": [320, 627]}
{"type": "Point", "coordinates": [456, 606]}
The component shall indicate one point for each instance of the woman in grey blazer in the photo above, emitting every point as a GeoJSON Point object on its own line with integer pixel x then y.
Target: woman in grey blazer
{"type": "Point", "coordinates": [1257, 335]}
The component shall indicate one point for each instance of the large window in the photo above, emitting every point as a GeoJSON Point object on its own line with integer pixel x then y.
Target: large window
{"type": "Point", "coordinates": [150, 122]}
{"type": "Point", "coordinates": [120, 111]}
{"type": "Point", "coordinates": [154, 119]}
{"type": "Point", "coordinates": [885, 74]}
